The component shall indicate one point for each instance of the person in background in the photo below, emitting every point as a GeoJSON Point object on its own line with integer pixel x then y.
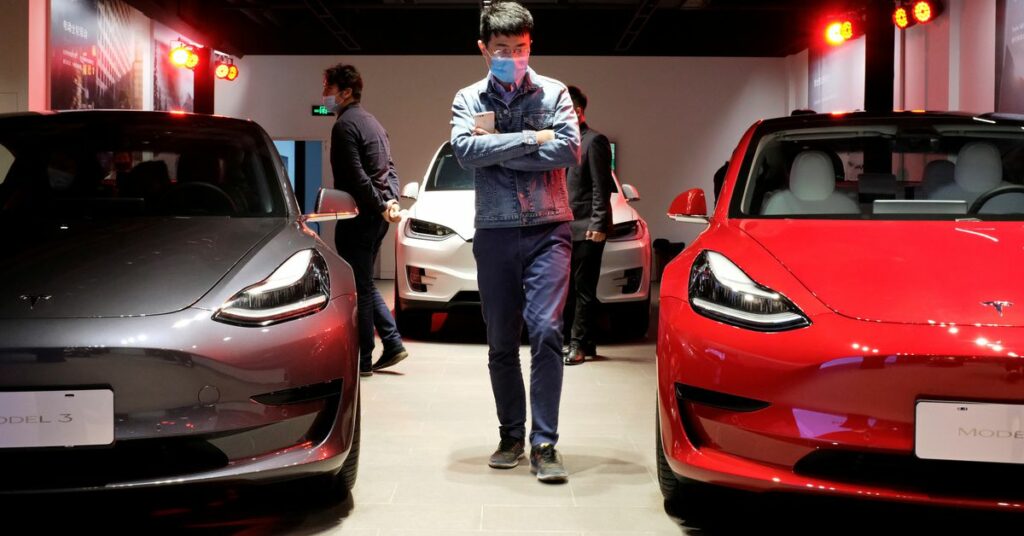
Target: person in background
{"type": "Point", "coordinates": [590, 190]}
{"type": "Point", "coordinates": [362, 166]}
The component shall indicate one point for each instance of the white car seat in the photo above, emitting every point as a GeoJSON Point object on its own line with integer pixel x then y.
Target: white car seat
{"type": "Point", "coordinates": [812, 189]}
{"type": "Point", "coordinates": [937, 175]}
{"type": "Point", "coordinates": [979, 168]}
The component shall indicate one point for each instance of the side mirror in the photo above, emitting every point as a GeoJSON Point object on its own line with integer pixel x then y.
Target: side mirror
{"type": "Point", "coordinates": [630, 192]}
{"type": "Point", "coordinates": [411, 190]}
{"type": "Point", "coordinates": [689, 206]}
{"type": "Point", "coordinates": [333, 205]}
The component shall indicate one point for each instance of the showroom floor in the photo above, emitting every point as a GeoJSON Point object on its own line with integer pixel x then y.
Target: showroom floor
{"type": "Point", "coordinates": [429, 427]}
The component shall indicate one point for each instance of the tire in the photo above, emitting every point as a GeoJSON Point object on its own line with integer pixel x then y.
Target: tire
{"type": "Point", "coordinates": [411, 323]}
{"type": "Point", "coordinates": [667, 479]}
{"type": "Point", "coordinates": [346, 478]}
{"type": "Point", "coordinates": [631, 320]}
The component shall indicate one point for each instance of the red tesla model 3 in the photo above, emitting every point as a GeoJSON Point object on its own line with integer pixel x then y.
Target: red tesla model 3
{"type": "Point", "coordinates": [851, 320]}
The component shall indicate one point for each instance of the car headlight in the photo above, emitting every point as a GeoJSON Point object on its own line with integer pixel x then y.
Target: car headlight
{"type": "Point", "coordinates": [721, 291]}
{"type": "Point", "coordinates": [627, 230]}
{"type": "Point", "coordinates": [427, 230]}
{"type": "Point", "coordinates": [299, 287]}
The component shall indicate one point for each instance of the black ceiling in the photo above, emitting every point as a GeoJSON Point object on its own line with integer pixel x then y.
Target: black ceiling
{"type": "Point", "coordinates": [563, 27]}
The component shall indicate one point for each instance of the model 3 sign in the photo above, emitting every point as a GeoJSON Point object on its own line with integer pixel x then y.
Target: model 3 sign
{"type": "Point", "coordinates": [56, 418]}
{"type": "Point", "coordinates": [973, 432]}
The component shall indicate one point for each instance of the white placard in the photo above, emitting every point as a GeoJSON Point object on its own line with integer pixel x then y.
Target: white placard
{"type": "Point", "coordinates": [970, 431]}
{"type": "Point", "coordinates": [56, 418]}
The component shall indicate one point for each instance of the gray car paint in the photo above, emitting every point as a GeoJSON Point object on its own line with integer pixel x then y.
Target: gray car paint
{"type": "Point", "coordinates": [141, 323]}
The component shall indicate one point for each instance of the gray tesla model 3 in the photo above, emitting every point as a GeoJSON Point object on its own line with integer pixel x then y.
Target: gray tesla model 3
{"type": "Point", "coordinates": [167, 315]}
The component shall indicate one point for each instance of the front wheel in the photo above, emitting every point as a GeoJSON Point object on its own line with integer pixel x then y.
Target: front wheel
{"type": "Point", "coordinates": [411, 322]}
{"type": "Point", "coordinates": [667, 479]}
{"type": "Point", "coordinates": [631, 320]}
{"type": "Point", "coordinates": [347, 475]}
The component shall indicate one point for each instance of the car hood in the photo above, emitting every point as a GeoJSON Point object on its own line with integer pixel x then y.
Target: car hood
{"type": "Point", "coordinates": [904, 272]}
{"type": "Point", "coordinates": [121, 268]}
{"type": "Point", "coordinates": [454, 209]}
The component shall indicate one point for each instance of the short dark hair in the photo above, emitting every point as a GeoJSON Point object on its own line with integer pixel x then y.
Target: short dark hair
{"type": "Point", "coordinates": [345, 77]}
{"type": "Point", "coordinates": [504, 18]}
{"type": "Point", "coordinates": [579, 99]}
{"type": "Point", "coordinates": [803, 111]}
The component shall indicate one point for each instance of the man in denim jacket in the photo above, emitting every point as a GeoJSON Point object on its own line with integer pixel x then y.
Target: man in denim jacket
{"type": "Point", "coordinates": [522, 243]}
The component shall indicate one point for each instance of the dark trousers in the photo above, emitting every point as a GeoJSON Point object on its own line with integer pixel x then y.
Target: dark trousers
{"type": "Point", "coordinates": [581, 304]}
{"type": "Point", "coordinates": [358, 241]}
{"type": "Point", "coordinates": [523, 275]}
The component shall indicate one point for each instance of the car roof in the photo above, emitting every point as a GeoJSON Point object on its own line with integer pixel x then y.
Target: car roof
{"type": "Point", "coordinates": [128, 116]}
{"type": "Point", "coordinates": [860, 117]}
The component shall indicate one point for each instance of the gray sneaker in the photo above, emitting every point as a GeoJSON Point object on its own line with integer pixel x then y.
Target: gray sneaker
{"type": "Point", "coordinates": [546, 463]}
{"type": "Point", "coordinates": [508, 453]}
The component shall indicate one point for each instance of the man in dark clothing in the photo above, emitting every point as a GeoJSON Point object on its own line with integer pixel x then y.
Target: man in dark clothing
{"type": "Point", "coordinates": [590, 187]}
{"type": "Point", "coordinates": [362, 166]}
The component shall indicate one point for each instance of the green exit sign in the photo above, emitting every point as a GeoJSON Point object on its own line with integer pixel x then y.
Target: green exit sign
{"type": "Point", "coordinates": [321, 110]}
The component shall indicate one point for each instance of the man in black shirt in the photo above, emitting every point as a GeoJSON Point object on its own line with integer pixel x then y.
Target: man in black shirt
{"type": "Point", "coordinates": [362, 166]}
{"type": "Point", "coordinates": [590, 187]}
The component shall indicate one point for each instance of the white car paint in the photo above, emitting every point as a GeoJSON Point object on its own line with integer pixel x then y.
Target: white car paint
{"type": "Point", "coordinates": [449, 265]}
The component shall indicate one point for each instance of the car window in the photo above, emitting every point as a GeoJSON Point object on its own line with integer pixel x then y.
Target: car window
{"type": "Point", "coordinates": [885, 171]}
{"type": "Point", "coordinates": [447, 174]}
{"type": "Point", "coordinates": [140, 167]}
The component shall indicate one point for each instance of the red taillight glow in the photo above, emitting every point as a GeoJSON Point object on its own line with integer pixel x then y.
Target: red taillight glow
{"type": "Point", "coordinates": [846, 30]}
{"type": "Point", "coordinates": [183, 55]}
{"type": "Point", "coordinates": [923, 11]}
{"type": "Point", "coordinates": [193, 60]}
{"type": "Point", "coordinates": [179, 56]}
{"type": "Point", "coordinates": [834, 34]}
{"type": "Point", "coordinates": [226, 69]}
{"type": "Point", "coordinates": [900, 18]}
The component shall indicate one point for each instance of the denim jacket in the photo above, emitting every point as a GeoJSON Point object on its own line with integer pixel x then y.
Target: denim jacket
{"type": "Point", "coordinates": [518, 182]}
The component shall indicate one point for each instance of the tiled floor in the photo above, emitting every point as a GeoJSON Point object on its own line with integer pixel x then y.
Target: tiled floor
{"type": "Point", "coordinates": [429, 427]}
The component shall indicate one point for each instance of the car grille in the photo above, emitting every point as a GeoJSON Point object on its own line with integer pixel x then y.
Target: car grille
{"type": "Point", "coordinates": [95, 467]}
{"type": "Point", "coordinates": [912, 474]}
{"type": "Point", "coordinates": [27, 470]}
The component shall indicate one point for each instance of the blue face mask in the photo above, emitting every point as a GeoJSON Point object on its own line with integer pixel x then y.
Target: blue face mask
{"type": "Point", "coordinates": [330, 102]}
{"type": "Point", "coordinates": [509, 70]}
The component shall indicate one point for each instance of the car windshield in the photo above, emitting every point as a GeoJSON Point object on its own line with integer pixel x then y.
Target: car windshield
{"type": "Point", "coordinates": [931, 169]}
{"type": "Point", "coordinates": [447, 174]}
{"type": "Point", "coordinates": [86, 165]}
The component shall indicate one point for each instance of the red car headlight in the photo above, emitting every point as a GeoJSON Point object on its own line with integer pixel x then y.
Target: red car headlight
{"type": "Point", "coordinates": [720, 290]}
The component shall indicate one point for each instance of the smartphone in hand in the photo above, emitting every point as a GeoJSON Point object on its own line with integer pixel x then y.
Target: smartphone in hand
{"type": "Point", "coordinates": [485, 121]}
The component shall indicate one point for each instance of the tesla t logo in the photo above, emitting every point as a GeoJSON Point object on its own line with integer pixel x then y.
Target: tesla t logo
{"type": "Point", "coordinates": [998, 305]}
{"type": "Point", "coordinates": [33, 299]}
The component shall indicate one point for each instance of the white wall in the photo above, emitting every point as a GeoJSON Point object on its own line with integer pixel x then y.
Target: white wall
{"type": "Point", "coordinates": [927, 66]}
{"type": "Point", "coordinates": [797, 71]}
{"type": "Point", "coordinates": [950, 62]}
{"type": "Point", "coordinates": [977, 54]}
{"type": "Point", "coordinates": [14, 50]}
{"type": "Point", "coordinates": [675, 120]}
{"type": "Point", "coordinates": [836, 76]}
